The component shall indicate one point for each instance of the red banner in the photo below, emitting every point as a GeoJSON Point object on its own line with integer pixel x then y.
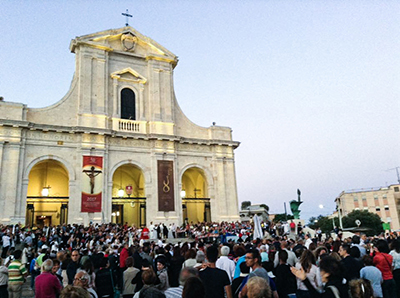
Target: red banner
{"type": "Point", "coordinates": [92, 183]}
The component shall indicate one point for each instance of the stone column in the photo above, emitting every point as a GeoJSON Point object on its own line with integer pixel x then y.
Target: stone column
{"type": "Point", "coordinates": [9, 193]}
{"type": "Point", "coordinates": [115, 99]}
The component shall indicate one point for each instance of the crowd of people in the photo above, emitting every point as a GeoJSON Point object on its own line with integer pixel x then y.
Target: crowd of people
{"type": "Point", "coordinates": [212, 260]}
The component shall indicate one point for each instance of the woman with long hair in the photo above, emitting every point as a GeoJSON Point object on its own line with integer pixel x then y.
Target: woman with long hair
{"type": "Point", "coordinates": [332, 277]}
{"type": "Point", "coordinates": [307, 263]}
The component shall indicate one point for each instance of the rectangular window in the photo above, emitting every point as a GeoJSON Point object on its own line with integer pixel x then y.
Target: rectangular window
{"type": "Point", "coordinates": [376, 197]}
{"type": "Point", "coordinates": [386, 207]}
{"type": "Point", "coordinates": [355, 199]}
{"type": "Point", "coordinates": [364, 198]}
{"type": "Point", "coordinates": [396, 189]}
{"type": "Point", "coordinates": [378, 209]}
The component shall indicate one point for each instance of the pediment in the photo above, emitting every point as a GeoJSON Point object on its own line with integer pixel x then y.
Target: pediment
{"type": "Point", "coordinates": [125, 40]}
{"type": "Point", "coordinates": [129, 75]}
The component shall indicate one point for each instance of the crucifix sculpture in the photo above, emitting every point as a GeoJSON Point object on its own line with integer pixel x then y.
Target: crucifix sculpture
{"type": "Point", "coordinates": [92, 173]}
{"type": "Point", "coordinates": [127, 15]}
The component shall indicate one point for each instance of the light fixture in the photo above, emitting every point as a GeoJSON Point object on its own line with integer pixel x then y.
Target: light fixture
{"type": "Point", "coordinates": [113, 214]}
{"type": "Point", "coordinates": [46, 188]}
{"type": "Point", "coordinates": [183, 193]}
{"type": "Point", "coordinates": [46, 191]}
{"type": "Point", "coordinates": [117, 213]}
{"type": "Point", "coordinates": [121, 190]}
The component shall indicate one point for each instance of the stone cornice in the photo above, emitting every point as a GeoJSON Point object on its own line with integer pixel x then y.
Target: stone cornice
{"type": "Point", "coordinates": [113, 133]}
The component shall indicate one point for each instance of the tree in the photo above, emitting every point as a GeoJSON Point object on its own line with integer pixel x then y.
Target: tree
{"type": "Point", "coordinates": [368, 220]}
{"type": "Point", "coordinates": [245, 204]}
{"type": "Point", "coordinates": [282, 217]}
{"type": "Point", "coordinates": [323, 222]}
{"type": "Point", "coordinates": [265, 207]}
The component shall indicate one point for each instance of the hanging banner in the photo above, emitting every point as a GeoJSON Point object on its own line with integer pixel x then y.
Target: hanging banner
{"type": "Point", "coordinates": [165, 171]}
{"type": "Point", "coordinates": [92, 183]}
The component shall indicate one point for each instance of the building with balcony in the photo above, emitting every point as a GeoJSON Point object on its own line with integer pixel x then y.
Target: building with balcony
{"type": "Point", "coordinates": [117, 147]}
{"type": "Point", "coordinates": [384, 201]}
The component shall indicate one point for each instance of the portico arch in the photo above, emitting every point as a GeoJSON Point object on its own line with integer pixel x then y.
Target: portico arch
{"type": "Point", "coordinates": [68, 167]}
{"type": "Point", "coordinates": [47, 192]}
{"type": "Point", "coordinates": [195, 194]}
{"type": "Point", "coordinates": [128, 194]}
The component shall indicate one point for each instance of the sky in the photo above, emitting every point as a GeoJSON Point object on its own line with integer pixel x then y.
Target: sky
{"type": "Point", "coordinates": [310, 88]}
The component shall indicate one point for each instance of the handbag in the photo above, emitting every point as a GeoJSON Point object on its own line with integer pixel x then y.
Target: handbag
{"type": "Point", "coordinates": [117, 293]}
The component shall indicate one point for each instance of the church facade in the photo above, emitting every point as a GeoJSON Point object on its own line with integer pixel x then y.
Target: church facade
{"type": "Point", "coordinates": [117, 147]}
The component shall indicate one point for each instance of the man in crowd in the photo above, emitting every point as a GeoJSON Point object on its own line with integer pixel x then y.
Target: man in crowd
{"type": "Point", "coordinates": [47, 284]}
{"type": "Point", "coordinates": [81, 280]}
{"type": "Point", "coordinates": [225, 263]}
{"type": "Point", "coordinates": [16, 276]}
{"type": "Point", "coordinates": [351, 266]}
{"type": "Point", "coordinates": [73, 266]}
{"type": "Point", "coordinates": [215, 280]}
{"type": "Point", "coordinates": [185, 274]}
{"type": "Point", "coordinates": [291, 255]}
{"type": "Point", "coordinates": [253, 260]}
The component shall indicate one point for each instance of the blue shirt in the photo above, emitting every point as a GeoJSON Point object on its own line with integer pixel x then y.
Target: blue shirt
{"type": "Point", "coordinates": [374, 275]}
{"type": "Point", "coordinates": [237, 268]}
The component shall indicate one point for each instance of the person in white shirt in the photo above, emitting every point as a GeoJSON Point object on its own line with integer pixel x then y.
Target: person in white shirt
{"type": "Point", "coordinates": [292, 259]}
{"type": "Point", "coordinates": [153, 232]}
{"type": "Point", "coordinates": [6, 245]}
{"type": "Point", "coordinates": [225, 263]}
{"type": "Point", "coordinates": [308, 241]}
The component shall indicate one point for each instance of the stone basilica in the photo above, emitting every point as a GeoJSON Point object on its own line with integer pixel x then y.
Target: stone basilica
{"type": "Point", "coordinates": [117, 147]}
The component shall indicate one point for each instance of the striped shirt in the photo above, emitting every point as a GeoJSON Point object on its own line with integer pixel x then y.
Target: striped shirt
{"type": "Point", "coordinates": [174, 292]}
{"type": "Point", "coordinates": [16, 272]}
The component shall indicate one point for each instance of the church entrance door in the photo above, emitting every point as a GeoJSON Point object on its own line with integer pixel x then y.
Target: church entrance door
{"type": "Point", "coordinates": [195, 201]}
{"type": "Point", "coordinates": [48, 194]}
{"type": "Point", "coordinates": [128, 201]}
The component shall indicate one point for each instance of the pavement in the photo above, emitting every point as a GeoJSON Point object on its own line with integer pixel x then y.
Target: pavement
{"type": "Point", "coordinates": [27, 292]}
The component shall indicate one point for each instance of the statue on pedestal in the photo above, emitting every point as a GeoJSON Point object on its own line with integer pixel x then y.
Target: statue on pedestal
{"type": "Point", "coordinates": [294, 205]}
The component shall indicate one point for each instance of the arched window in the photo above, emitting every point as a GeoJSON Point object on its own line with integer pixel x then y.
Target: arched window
{"type": "Point", "coordinates": [128, 110]}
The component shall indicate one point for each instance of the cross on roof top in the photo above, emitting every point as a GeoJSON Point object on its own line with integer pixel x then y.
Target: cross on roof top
{"type": "Point", "coordinates": [127, 15]}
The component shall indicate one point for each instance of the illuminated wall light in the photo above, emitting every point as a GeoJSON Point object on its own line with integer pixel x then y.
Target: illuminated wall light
{"type": "Point", "coordinates": [46, 191]}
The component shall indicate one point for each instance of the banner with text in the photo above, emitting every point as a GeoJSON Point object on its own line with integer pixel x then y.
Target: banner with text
{"type": "Point", "coordinates": [92, 183]}
{"type": "Point", "coordinates": [165, 171]}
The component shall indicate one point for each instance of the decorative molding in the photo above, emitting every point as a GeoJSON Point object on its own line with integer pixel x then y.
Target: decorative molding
{"type": "Point", "coordinates": [137, 78]}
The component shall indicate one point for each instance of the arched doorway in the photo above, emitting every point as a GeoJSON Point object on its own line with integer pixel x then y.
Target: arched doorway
{"type": "Point", "coordinates": [128, 196]}
{"type": "Point", "coordinates": [48, 194]}
{"type": "Point", "coordinates": [195, 200]}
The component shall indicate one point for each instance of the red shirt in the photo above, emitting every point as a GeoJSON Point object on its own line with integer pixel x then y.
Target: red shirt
{"type": "Point", "coordinates": [145, 233]}
{"type": "Point", "coordinates": [384, 262]}
{"type": "Point", "coordinates": [122, 257]}
{"type": "Point", "coordinates": [47, 285]}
